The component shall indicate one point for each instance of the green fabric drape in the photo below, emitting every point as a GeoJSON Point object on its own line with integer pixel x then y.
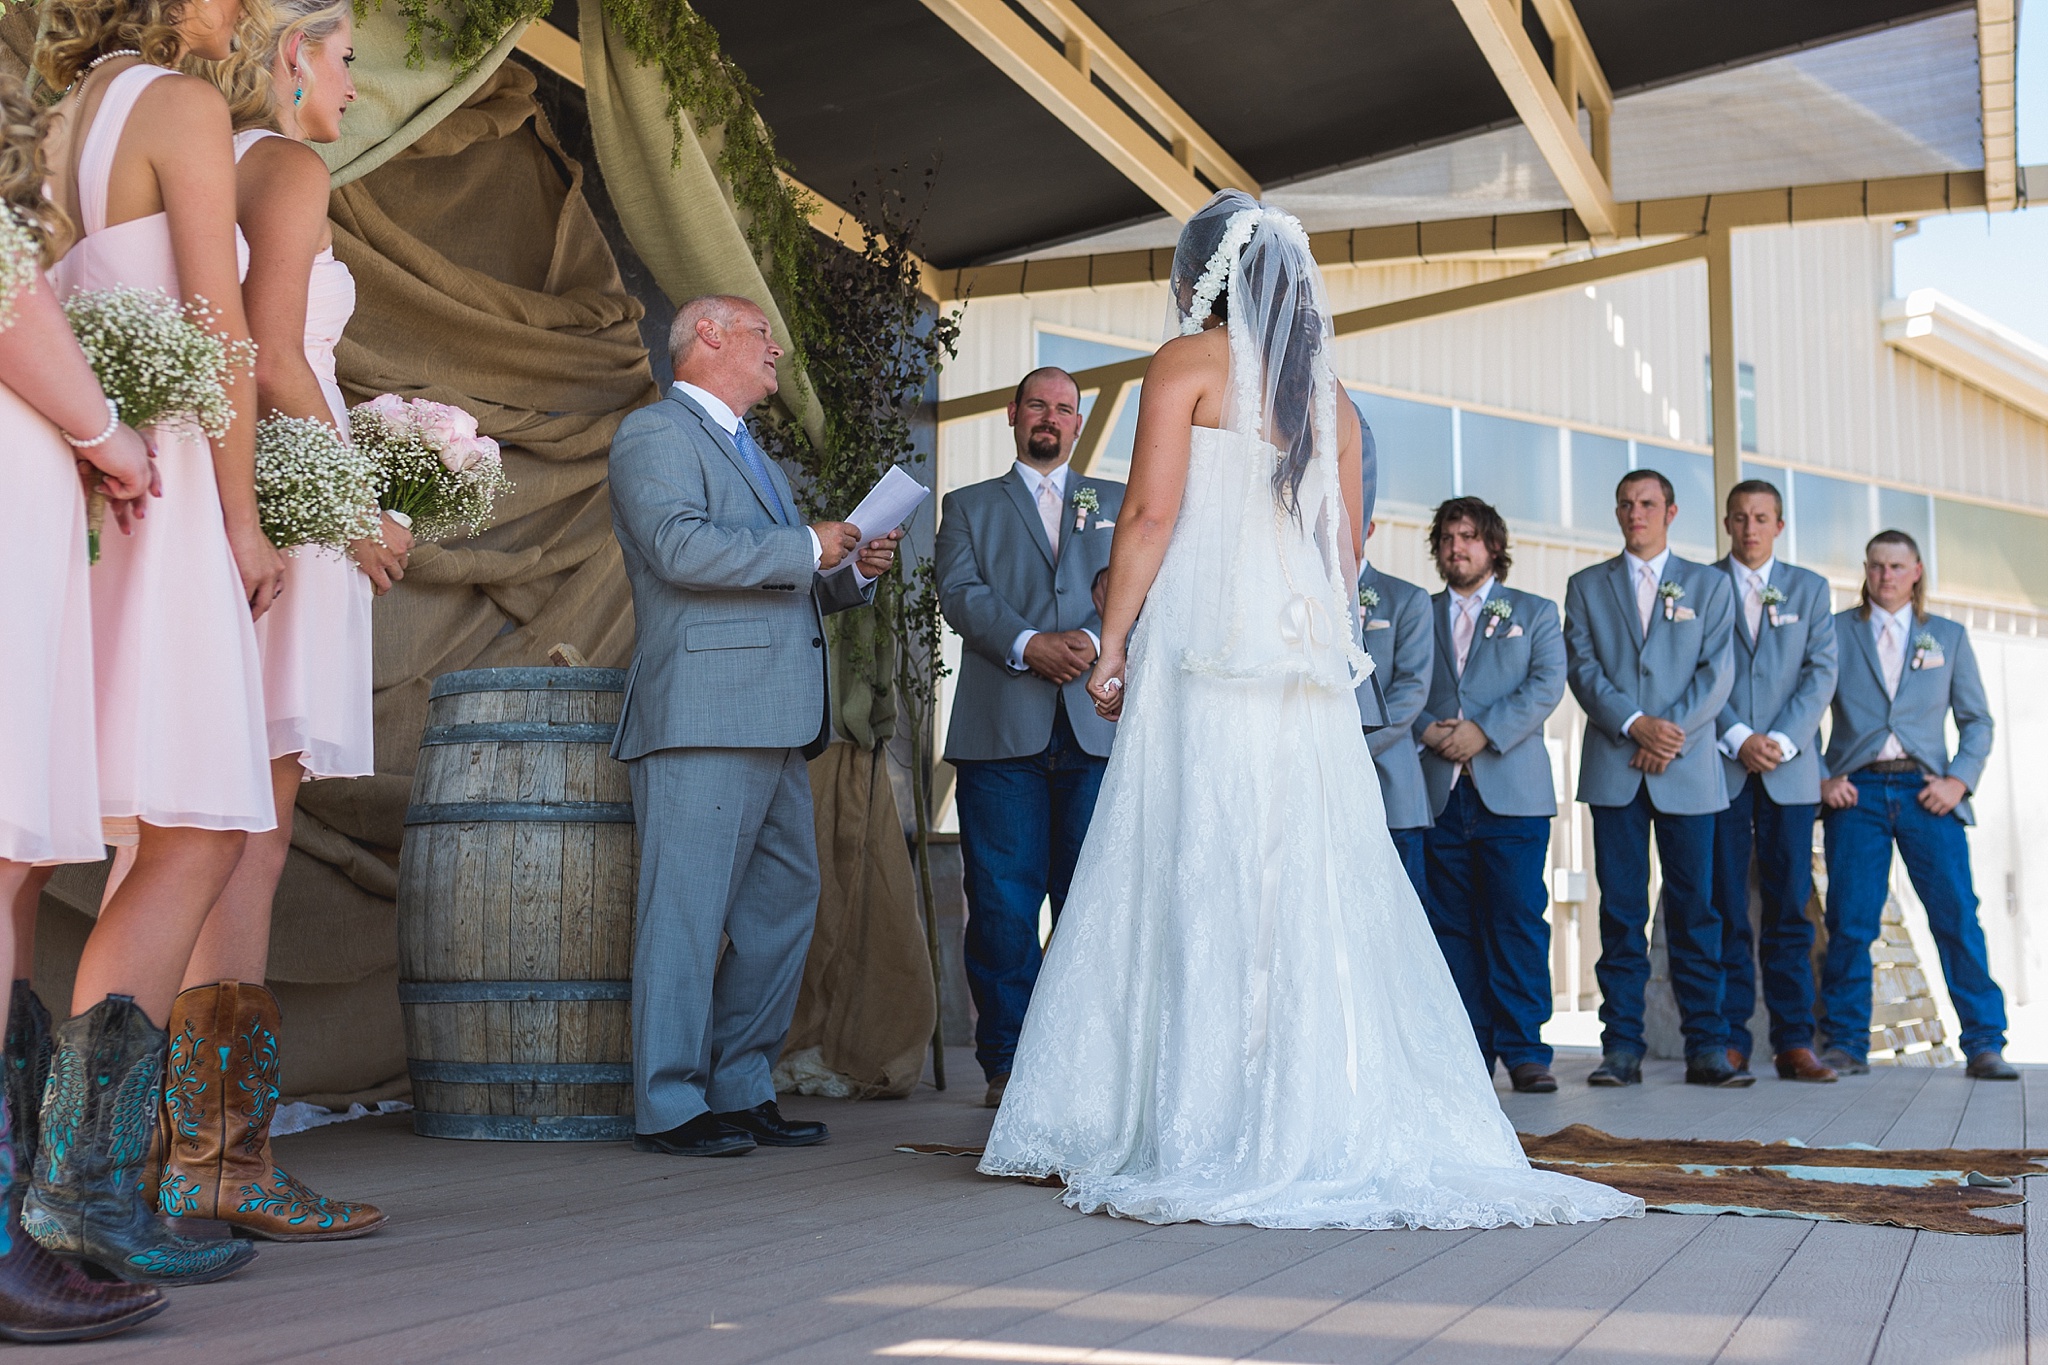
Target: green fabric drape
{"type": "Point", "coordinates": [396, 104]}
{"type": "Point", "coordinates": [677, 211]}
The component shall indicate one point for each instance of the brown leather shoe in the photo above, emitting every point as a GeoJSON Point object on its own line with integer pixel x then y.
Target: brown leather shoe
{"type": "Point", "coordinates": [996, 1086]}
{"type": "Point", "coordinates": [1799, 1064]}
{"type": "Point", "coordinates": [1738, 1059]}
{"type": "Point", "coordinates": [220, 1095]}
{"type": "Point", "coordinates": [1532, 1078]}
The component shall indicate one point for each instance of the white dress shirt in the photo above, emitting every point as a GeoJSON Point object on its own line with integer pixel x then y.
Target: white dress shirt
{"type": "Point", "coordinates": [1902, 621]}
{"type": "Point", "coordinates": [1749, 580]}
{"type": "Point", "coordinates": [1635, 566]}
{"type": "Point", "coordinates": [1033, 481]}
{"type": "Point", "coordinates": [728, 422]}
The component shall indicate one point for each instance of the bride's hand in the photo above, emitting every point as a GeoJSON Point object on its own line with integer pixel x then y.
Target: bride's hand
{"type": "Point", "coordinates": [1106, 684]}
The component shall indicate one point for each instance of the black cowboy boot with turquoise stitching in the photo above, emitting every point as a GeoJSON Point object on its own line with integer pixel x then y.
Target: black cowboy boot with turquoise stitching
{"type": "Point", "coordinates": [28, 1070]}
{"type": "Point", "coordinates": [99, 1113]}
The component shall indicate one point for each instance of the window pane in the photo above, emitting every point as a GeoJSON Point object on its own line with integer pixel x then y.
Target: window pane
{"type": "Point", "coordinates": [1991, 552]}
{"type": "Point", "coordinates": [1414, 444]}
{"type": "Point", "coordinates": [1598, 462]}
{"type": "Point", "coordinates": [1834, 523]}
{"type": "Point", "coordinates": [1901, 511]}
{"type": "Point", "coordinates": [1692, 479]}
{"type": "Point", "coordinates": [1513, 465]}
{"type": "Point", "coordinates": [1074, 354]}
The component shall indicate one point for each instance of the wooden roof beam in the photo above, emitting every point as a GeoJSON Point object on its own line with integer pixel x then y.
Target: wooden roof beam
{"type": "Point", "coordinates": [1549, 105]}
{"type": "Point", "coordinates": [1160, 151]}
{"type": "Point", "coordinates": [1997, 50]}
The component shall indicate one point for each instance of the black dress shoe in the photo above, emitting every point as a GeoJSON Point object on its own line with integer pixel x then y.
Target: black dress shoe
{"type": "Point", "coordinates": [1711, 1068]}
{"type": "Point", "coordinates": [765, 1124]}
{"type": "Point", "coordinates": [1618, 1068]}
{"type": "Point", "coordinates": [1990, 1065]}
{"type": "Point", "coordinates": [1532, 1078]}
{"type": "Point", "coordinates": [1839, 1061]}
{"type": "Point", "coordinates": [704, 1135]}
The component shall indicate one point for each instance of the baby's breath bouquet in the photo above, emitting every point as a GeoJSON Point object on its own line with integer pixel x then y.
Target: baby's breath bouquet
{"type": "Point", "coordinates": [21, 260]}
{"type": "Point", "coordinates": [431, 465]}
{"type": "Point", "coordinates": [312, 487]}
{"type": "Point", "coordinates": [160, 362]}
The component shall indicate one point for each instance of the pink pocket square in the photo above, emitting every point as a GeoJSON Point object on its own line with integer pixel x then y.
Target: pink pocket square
{"type": "Point", "coordinates": [1683, 614]}
{"type": "Point", "coordinates": [1513, 631]}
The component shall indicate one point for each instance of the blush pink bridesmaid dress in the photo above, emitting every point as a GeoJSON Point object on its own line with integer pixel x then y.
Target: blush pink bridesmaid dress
{"type": "Point", "coordinates": [179, 686]}
{"type": "Point", "coordinates": [316, 641]}
{"type": "Point", "coordinates": [49, 779]}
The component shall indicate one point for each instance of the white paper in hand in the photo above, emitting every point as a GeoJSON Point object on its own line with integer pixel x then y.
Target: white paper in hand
{"type": "Point", "coordinates": [888, 504]}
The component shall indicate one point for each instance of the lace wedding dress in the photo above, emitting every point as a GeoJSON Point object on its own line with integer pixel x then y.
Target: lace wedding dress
{"type": "Point", "coordinates": [1244, 1016]}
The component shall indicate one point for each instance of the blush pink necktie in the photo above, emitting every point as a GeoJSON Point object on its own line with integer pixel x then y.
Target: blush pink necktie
{"type": "Point", "coordinates": [1753, 605]}
{"type": "Point", "coordinates": [1049, 512]}
{"type": "Point", "coordinates": [1646, 595]}
{"type": "Point", "coordinates": [1461, 630]}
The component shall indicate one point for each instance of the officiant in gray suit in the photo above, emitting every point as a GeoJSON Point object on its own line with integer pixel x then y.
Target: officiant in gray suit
{"type": "Point", "coordinates": [1017, 559]}
{"type": "Point", "coordinates": [727, 697]}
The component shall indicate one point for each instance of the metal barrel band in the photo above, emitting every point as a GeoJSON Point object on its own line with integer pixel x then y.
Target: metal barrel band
{"type": "Point", "coordinates": [478, 992]}
{"type": "Point", "coordinates": [524, 1127]}
{"type": "Point", "coordinates": [520, 732]}
{"type": "Point", "coordinates": [529, 680]}
{"type": "Point", "coordinates": [520, 812]}
{"type": "Point", "coordinates": [520, 1073]}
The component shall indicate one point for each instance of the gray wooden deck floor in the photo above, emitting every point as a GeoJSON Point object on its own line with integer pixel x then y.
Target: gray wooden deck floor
{"type": "Point", "coordinates": [852, 1252]}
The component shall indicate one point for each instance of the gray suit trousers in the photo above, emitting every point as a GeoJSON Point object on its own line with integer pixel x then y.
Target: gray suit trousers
{"type": "Point", "coordinates": [728, 851]}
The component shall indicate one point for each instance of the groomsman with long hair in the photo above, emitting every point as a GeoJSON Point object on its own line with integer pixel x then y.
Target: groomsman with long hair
{"type": "Point", "coordinates": [1499, 672]}
{"type": "Point", "coordinates": [1893, 782]}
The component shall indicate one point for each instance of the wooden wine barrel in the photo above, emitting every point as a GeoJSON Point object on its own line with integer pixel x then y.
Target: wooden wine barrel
{"type": "Point", "coordinates": [515, 910]}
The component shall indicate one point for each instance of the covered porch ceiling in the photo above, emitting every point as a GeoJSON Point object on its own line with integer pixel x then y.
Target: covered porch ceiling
{"type": "Point", "coordinates": [1064, 129]}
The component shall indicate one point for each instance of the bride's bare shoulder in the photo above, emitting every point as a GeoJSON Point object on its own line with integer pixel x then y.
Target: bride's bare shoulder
{"type": "Point", "coordinates": [1195, 361]}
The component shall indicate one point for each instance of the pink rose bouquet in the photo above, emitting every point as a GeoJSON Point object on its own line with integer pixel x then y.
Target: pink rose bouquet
{"type": "Point", "coordinates": [432, 466]}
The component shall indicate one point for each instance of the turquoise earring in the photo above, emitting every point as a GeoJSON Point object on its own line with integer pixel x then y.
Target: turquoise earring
{"type": "Point", "coordinates": [298, 95]}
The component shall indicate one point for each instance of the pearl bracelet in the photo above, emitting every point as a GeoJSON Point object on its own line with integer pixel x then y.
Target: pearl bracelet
{"type": "Point", "coordinates": [113, 425]}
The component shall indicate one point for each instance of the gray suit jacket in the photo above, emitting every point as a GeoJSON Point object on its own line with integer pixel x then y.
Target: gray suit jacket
{"type": "Point", "coordinates": [1680, 671]}
{"type": "Point", "coordinates": [1864, 715]}
{"type": "Point", "coordinates": [1398, 638]}
{"type": "Point", "coordinates": [1783, 681]}
{"type": "Point", "coordinates": [1512, 682]}
{"type": "Point", "coordinates": [998, 576]}
{"type": "Point", "coordinates": [729, 645]}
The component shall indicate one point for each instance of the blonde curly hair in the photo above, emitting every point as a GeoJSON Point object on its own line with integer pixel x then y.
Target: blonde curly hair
{"type": "Point", "coordinates": [74, 32]}
{"type": "Point", "coordinates": [23, 169]}
{"type": "Point", "coordinates": [266, 28]}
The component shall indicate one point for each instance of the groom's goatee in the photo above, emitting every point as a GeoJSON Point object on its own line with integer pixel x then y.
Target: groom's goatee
{"type": "Point", "coordinates": [1044, 444]}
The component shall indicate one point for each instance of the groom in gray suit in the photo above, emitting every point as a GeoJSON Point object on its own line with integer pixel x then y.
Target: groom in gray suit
{"type": "Point", "coordinates": [726, 699]}
{"type": "Point", "coordinates": [1649, 649]}
{"type": "Point", "coordinates": [1017, 560]}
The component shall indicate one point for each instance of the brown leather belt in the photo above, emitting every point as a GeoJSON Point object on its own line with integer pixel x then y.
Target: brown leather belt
{"type": "Point", "coordinates": [1893, 765]}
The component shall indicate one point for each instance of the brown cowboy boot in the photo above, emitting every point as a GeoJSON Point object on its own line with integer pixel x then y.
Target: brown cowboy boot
{"type": "Point", "coordinates": [220, 1094]}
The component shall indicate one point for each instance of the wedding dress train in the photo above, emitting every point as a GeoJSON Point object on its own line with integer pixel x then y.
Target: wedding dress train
{"type": "Point", "coordinates": [1244, 1016]}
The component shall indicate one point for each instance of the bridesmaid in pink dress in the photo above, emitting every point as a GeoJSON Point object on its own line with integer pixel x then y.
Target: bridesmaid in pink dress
{"type": "Point", "coordinates": [315, 641]}
{"type": "Point", "coordinates": [52, 413]}
{"type": "Point", "coordinates": [143, 163]}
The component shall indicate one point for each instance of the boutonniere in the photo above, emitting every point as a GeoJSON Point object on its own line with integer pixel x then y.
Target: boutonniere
{"type": "Point", "coordinates": [1084, 501]}
{"type": "Point", "coordinates": [1497, 611]}
{"type": "Point", "coordinates": [1772, 598]}
{"type": "Point", "coordinates": [1927, 651]}
{"type": "Point", "coordinates": [1671, 592]}
{"type": "Point", "coordinates": [1368, 598]}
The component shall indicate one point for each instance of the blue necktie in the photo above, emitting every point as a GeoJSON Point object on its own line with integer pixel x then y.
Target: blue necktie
{"type": "Point", "coordinates": [757, 463]}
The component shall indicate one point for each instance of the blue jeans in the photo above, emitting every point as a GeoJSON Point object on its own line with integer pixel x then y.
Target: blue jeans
{"type": "Point", "coordinates": [1022, 822]}
{"type": "Point", "coordinates": [1937, 853]}
{"type": "Point", "coordinates": [1486, 902]}
{"type": "Point", "coordinates": [1692, 930]}
{"type": "Point", "coordinates": [1408, 848]}
{"type": "Point", "coordinates": [1782, 837]}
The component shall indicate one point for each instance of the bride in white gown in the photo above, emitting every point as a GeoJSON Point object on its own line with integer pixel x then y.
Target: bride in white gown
{"type": "Point", "coordinates": [1244, 1016]}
